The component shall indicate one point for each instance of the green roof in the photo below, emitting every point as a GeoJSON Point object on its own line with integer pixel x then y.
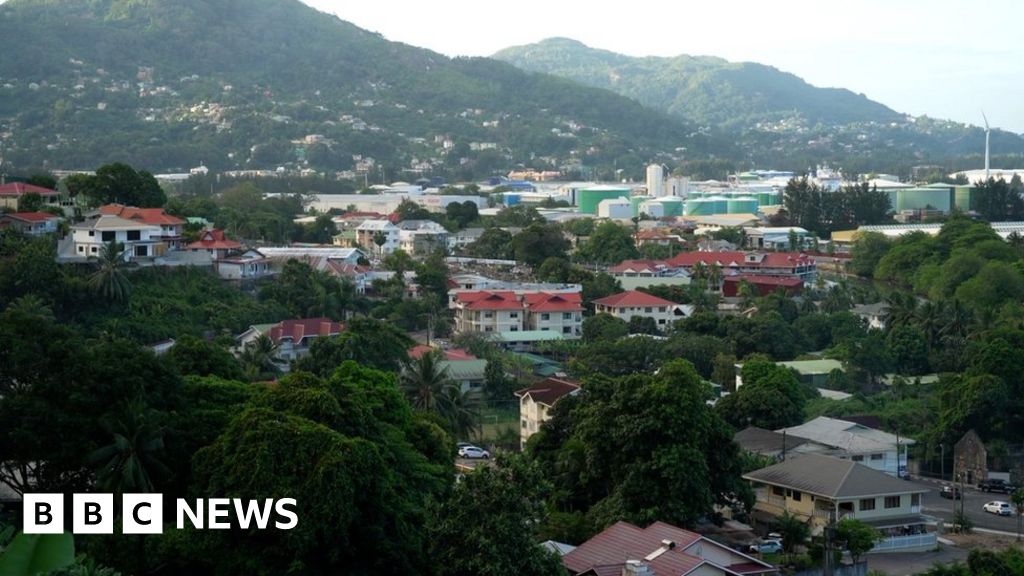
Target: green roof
{"type": "Point", "coordinates": [465, 369]}
{"type": "Point", "coordinates": [807, 367]}
{"type": "Point", "coordinates": [528, 336]}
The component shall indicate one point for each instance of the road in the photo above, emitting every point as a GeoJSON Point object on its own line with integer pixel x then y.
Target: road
{"type": "Point", "coordinates": [934, 505]}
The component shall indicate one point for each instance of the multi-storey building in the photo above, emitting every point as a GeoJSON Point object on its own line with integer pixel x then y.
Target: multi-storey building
{"type": "Point", "coordinates": [495, 312]}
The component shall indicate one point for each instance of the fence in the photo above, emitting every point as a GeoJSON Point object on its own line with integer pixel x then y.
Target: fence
{"type": "Point", "coordinates": [859, 569]}
{"type": "Point", "coordinates": [907, 543]}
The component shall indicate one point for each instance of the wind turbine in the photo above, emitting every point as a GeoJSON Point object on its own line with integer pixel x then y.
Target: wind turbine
{"type": "Point", "coordinates": [986, 143]}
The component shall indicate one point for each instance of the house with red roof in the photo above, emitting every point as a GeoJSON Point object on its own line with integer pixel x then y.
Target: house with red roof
{"type": "Point", "coordinates": [763, 285]}
{"type": "Point", "coordinates": [215, 243]}
{"type": "Point", "coordinates": [633, 303]}
{"type": "Point", "coordinates": [12, 193]}
{"type": "Point", "coordinates": [794, 264]}
{"type": "Point", "coordinates": [249, 265]}
{"type": "Point", "coordinates": [659, 550]}
{"type": "Point", "coordinates": [503, 311]}
{"type": "Point", "coordinates": [137, 239]}
{"type": "Point", "coordinates": [536, 401]}
{"type": "Point", "coordinates": [31, 223]}
{"type": "Point", "coordinates": [171, 227]}
{"type": "Point", "coordinates": [292, 337]}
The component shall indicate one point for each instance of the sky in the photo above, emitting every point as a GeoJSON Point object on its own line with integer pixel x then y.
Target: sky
{"type": "Point", "coordinates": [941, 58]}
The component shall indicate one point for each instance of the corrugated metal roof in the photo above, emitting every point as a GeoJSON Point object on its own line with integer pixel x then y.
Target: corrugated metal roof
{"type": "Point", "coordinates": [830, 478]}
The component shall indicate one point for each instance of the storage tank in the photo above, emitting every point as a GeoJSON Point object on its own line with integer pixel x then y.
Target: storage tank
{"type": "Point", "coordinates": [700, 207]}
{"type": "Point", "coordinates": [588, 198]}
{"type": "Point", "coordinates": [742, 205]}
{"type": "Point", "coordinates": [512, 199]}
{"type": "Point", "coordinates": [719, 204]}
{"type": "Point", "coordinates": [964, 198]}
{"type": "Point", "coordinates": [636, 201]}
{"type": "Point", "coordinates": [672, 206]}
{"type": "Point", "coordinates": [921, 198]}
{"type": "Point", "coordinates": [616, 208]}
{"type": "Point", "coordinates": [652, 208]}
{"type": "Point", "coordinates": [768, 198]}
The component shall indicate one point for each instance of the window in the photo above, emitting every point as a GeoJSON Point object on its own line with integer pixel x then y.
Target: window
{"type": "Point", "coordinates": [877, 456]}
{"type": "Point", "coordinates": [661, 309]}
{"type": "Point", "coordinates": [648, 309]}
{"type": "Point", "coordinates": [566, 329]}
{"type": "Point", "coordinates": [522, 423]}
{"type": "Point", "coordinates": [81, 248]}
{"type": "Point", "coordinates": [92, 233]}
{"type": "Point", "coordinates": [867, 504]}
{"type": "Point", "coordinates": [857, 458]}
{"type": "Point", "coordinates": [513, 315]}
{"type": "Point", "coordinates": [488, 314]}
{"type": "Point", "coordinates": [134, 235]}
{"type": "Point", "coordinates": [515, 329]}
{"type": "Point", "coordinates": [545, 329]}
{"type": "Point", "coordinates": [94, 250]}
{"type": "Point", "coordinates": [892, 501]}
{"type": "Point", "coordinates": [778, 491]}
{"type": "Point", "coordinates": [796, 495]}
{"type": "Point", "coordinates": [545, 316]}
{"type": "Point", "coordinates": [566, 315]}
{"type": "Point", "coordinates": [108, 236]}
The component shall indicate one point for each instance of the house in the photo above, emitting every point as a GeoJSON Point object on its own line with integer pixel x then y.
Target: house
{"type": "Point", "coordinates": [770, 444]}
{"type": "Point", "coordinates": [820, 489]}
{"type": "Point", "coordinates": [656, 237]}
{"type": "Point", "coordinates": [762, 285]}
{"type": "Point", "coordinates": [465, 237]}
{"type": "Point", "coordinates": [873, 314]}
{"type": "Point", "coordinates": [502, 311]}
{"type": "Point", "coordinates": [11, 195]}
{"type": "Point", "coordinates": [369, 231]}
{"type": "Point", "coordinates": [292, 337]}
{"type": "Point", "coordinates": [463, 368]}
{"type": "Point", "coordinates": [813, 373]}
{"type": "Point", "coordinates": [215, 243]}
{"type": "Point", "coordinates": [249, 265]}
{"type": "Point", "coordinates": [318, 257]}
{"type": "Point", "coordinates": [660, 549]}
{"type": "Point", "coordinates": [630, 304]}
{"type": "Point", "coordinates": [421, 237]}
{"type": "Point", "coordinates": [138, 239]}
{"type": "Point", "coordinates": [775, 238]}
{"type": "Point", "coordinates": [793, 264]}
{"type": "Point", "coordinates": [875, 449]}
{"type": "Point", "coordinates": [171, 227]}
{"type": "Point", "coordinates": [31, 223]}
{"type": "Point", "coordinates": [537, 400]}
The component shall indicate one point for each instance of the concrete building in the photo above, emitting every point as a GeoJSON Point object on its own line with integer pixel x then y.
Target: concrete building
{"type": "Point", "coordinates": [31, 223]}
{"type": "Point", "coordinates": [368, 231]}
{"type": "Point", "coordinates": [873, 448]}
{"type": "Point", "coordinates": [500, 312]}
{"type": "Point", "coordinates": [536, 401]}
{"type": "Point", "coordinates": [627, 305]}
{"type": "Point", "coordinates": [138, 239]}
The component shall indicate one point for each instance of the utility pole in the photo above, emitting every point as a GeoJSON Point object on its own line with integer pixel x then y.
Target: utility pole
{"type": "Point", "coordinates": [829, 533]}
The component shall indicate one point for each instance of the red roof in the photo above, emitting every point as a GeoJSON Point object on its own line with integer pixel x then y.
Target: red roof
{"type": "Point", "coordinates": [623, 541]}
{"type": "Point", "coordinates": [214, 240]}
{"type": "Point", "coordinates": [549, 390]}
{"type": "Point", "coordinates": [307, 327]}
{"type": "Point", "coordinates": [155, 216]}
{"type": "Point", "coordinates": [485, 300]}
{"type": "Point", "coordinates": [367, 215]}
{"type": "Point", "coordinates": [342, 268]}
{"type": "Point", "coordinates": [632, 298]}
{"type": "Point", "coordinates": [20, 189]}
{"type": "Point", "coordinates": [557, 302]}
{"type": "Point", "coordinates": [739, 259]}
{"type": "Point", "coordinates": [451, 354]}
{"type": "Point", "coordinates": [758, 279]}
{"type": "Point", "coordinates": [32, 216]}
{"type": "Point", "coordinates": [637, 266]}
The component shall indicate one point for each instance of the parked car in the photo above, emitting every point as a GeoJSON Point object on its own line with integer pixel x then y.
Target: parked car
{"type": "Point", "coordinates": [995, 485]}
{"type": "Point", "coordinates": [767, 547]}
{"type": "Point", "coordinates": [462, 445]}
{"type": "Point", "coordinates": [473, 452]}
{"type": "Point", "coordinates": [998, 507]}
{"type": "Point", "coordinates": [951, 492]}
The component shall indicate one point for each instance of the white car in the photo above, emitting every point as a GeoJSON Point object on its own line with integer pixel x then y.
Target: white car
{"type": "Point", "coordinates": [473, 452]}
{"type": "Point", "coordinates": [998, 507]}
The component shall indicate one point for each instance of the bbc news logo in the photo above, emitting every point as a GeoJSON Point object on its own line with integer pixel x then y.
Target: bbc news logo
{"type": "Point", "coordinates": [144, 513]}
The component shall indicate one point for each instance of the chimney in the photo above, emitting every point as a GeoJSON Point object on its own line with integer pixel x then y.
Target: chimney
{"type": "Point", "coordinates": [637, 568]}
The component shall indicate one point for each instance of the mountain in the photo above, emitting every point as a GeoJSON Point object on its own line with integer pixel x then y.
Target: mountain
{"type": "Point", "coordinates": [705, 89]}
{"type": "Point", "coordinates": [167, 84]}
{"type": "Point", "coordinates": [773, 116]}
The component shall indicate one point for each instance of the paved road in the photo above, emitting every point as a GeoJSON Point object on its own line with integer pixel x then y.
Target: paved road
{"type": "Point", "coordinates": [934, 505]}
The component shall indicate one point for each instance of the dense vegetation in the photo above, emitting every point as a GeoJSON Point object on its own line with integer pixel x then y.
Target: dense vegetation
{"type": "Point", "coordinates": [167, 85]}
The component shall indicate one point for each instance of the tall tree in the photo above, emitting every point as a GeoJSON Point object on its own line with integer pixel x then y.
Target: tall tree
{"type": "Point", "coordinates": [109, 279]}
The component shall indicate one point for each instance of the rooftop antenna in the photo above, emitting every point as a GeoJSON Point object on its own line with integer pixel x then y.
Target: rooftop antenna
{"type": "Point", "coordinates": [986, 143]}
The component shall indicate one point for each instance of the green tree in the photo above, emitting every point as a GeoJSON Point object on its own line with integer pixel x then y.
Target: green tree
{"type": "Point", "coordinates": [771, 397]}
{"type": "Point", "coordinates": [109, 279]}
{"type": "Point", "coordinates": [31, 202]}
{"type": "Point", "coordinates": [367, 341]}
{"type": "Point", "coordinates": [132, 460]}
{"type": "Point", "coordinates": [489, 524]}
{"type": "Point", "coordinates": [538, 242]}
{"type": "Point", "coordinates": [258, 357]}
{"type": "Point", "coordinates": [192, 356]}
{"type": "Point", "coordinates": [794, 531]}
{"type": "Point", "coordinates": [121, 184]}
{"type": "Point", "coordinates": [604, 327]}
{"type": "Point", "coordinates": [609, 243]}
{"type": "Point", "coordinates": [494, 243]}
{"type": "Point", "coordinates": [860, 538]}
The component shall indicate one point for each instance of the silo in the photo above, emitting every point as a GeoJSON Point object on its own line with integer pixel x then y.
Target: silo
{"type": "Point", "coordinates": [588, 198]}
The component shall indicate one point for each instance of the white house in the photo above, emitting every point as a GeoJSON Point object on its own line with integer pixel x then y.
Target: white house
{"type": "Point", "coordinates": [140, 240]}
{"type": "Point", "coordinates": [505, 311]}
{"type": "Point", "coordinates": [31, 223]}
{"type": "Point", "coordinates": [873, 448]}
{"type": "Point", "coordinates": [630, 304]}
{"type": "Point", "coordinates": [421, 237]}
{"type": "Point", "coordinates": [536, 401]}
{"type": "Point", "coordinates": [368, 231]}
{"type": "Point", "coordinates": [249, 265]}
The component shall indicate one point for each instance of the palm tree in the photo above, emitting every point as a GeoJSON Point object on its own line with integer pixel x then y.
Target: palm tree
{"type": "Point", "coordinates": [131, 461]}
{"type": "Point", "coordinates": [109, 280]}
{"type": "Point", "coordinates": [380, 239]}
{"type": "Point", "coordinates": [426, 383]}
{"type": "Point", "coordinates": [902, 308]}
{"type": "Point", "coordinates": [257, 357]}
{"type": "Point", "coordinates": [463, 414]}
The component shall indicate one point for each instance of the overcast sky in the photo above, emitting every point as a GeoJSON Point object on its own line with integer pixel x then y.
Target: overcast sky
{"type": "Point", "coordinates": [943, 58]}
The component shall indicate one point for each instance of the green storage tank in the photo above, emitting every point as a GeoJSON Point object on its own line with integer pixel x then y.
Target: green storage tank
{"type": "Point", "coordinates": [922, 198]}
{"type": "Point", "coordinates": [672, 206]}
{"type": "Point", "coordinates": [700, 207]}
{"type": "Point", "coordinates": [635, 202]}
{"type": "Point", "coordinates": [768, 198]}
{"type": "Point", "coordinates": [720, 204]}
{"type": "Point", "coordinates": [742, 205]}
{"type": "Point", "coordinates": [588, 198]}
{"type": "Point", "coordinates": [964, 198]}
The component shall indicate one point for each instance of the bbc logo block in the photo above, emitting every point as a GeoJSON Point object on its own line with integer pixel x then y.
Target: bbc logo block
{"type": "Point", "coordinates": [144, 513]}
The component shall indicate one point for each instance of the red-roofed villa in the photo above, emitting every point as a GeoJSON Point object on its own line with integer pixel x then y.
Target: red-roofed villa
{"type": "Point", "coordinates": [501, 311]}
{"type": "Point", "coordinates": [632, 303]}
{"type": "Point", "coordinates": [12, 193]}
{"type": "Point", "coordinates": [537, 400]}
